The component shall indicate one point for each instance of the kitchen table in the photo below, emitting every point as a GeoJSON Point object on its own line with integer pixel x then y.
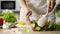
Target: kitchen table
{"type": "Point", "coordinates": [18, 31]}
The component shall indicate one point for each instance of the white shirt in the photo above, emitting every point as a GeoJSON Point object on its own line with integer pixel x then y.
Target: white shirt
{"type": "Point", "coordinates": [37, 7]}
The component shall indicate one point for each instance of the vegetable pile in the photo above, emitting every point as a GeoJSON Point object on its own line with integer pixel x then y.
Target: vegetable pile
{"type": "Point", "coordinates": [57, 10]}
{"type": "Point", "coordinates": [8, 16]}
{"type": "Point", "coordinates": [47, 27]}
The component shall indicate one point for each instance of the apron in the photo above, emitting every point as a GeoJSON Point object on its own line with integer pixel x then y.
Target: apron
{"type": "Point", "coordinates": [37, 7]}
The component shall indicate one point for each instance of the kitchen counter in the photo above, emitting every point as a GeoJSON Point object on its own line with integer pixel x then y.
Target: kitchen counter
{"type": "Point", "coordinates": [18, 31]}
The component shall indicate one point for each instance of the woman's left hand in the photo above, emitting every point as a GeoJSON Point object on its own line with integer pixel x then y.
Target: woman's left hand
{"type": "Point", "coordinates": [51, 4]}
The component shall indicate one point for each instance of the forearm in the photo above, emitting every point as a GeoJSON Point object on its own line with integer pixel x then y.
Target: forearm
{"type": "Point", "coordinates": [50, 4]}
{"type": "Point", "coordinates": [23, 4]}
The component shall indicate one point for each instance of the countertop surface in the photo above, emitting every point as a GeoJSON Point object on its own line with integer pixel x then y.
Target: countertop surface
{"type": "Point", "coordinates": [18, 31]}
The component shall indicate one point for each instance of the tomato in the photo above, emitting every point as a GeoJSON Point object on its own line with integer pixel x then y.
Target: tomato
{"type": "Point", "coordinates": [33, 28]}
{"type": "Point", "coordinates": [1, 20]}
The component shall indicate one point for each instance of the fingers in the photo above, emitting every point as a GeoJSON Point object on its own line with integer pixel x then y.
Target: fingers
{"type": "Point", "coordinates": [29, 13]}
{"type": "Point", "coordinates": [51, 5]}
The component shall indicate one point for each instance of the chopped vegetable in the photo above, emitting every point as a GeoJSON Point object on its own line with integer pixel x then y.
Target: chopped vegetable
{"type": "Point", "coordinates": [37, 28]}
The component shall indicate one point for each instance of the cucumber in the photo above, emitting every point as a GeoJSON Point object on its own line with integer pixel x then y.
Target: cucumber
{"type": "Point", "coordinates": [37, 28]}
{"type": "Point", "coordinates": [33, 24]}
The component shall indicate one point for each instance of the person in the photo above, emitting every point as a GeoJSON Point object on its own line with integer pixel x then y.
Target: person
{"type": "Point", "coordinates": [32, 9]}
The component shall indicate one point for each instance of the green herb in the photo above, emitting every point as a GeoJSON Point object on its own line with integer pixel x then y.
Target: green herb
{"type": "Point", "coordinates": [57, 10]}
{"type": "Point", "coordinates": [56, 26]}
{"type": "Point", "coordinates": [9, 17]}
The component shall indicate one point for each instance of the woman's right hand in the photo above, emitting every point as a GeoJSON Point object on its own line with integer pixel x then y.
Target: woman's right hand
{"type": "Point", "coordinates": [27, 12]}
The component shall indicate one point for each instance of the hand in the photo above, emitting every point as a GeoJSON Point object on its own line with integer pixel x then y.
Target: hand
{"type": "Point", "coordinates": [28, 21]}
{"type": "Point", "coordinates": [28, 13]}
{"type": "Point", "coordinates": [51, 5]}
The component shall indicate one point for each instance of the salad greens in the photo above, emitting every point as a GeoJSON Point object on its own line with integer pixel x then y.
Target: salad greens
{"type": "Point", "coordinates": [8, 16]}
{"type": "Point", "coordinates": [57, 10]}
{"type": "Point", "coordinates": [1, 13]}
{"type": "Point", "coordinates": [55, 26]}
{"type": "Point", "coordinates": [47, 27]}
